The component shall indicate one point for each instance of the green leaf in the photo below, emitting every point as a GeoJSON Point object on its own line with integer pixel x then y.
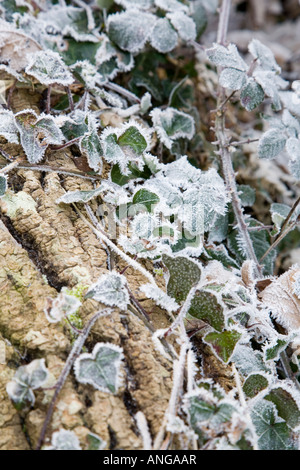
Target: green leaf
{"type": "Point", "coordinates": [201, 411]}
{"type": "Point", "coordinates": [223, 343]}
{"type": "Point", "coordinates": [252, 95]}
{"type": "Point", "coordinates": [100, 368]}
{"type": "Point", "coordinates": [184, 274]}
{"type": "Point", "coordinates": [134, 139]}
{"type": "Point", "coordinates": [254, 384]}
{"type": "Point", "coordinates": [145, 198]}
{"type": "Point", "coordinates": [273, 432]}
{"type": "Point", "coordinates": [286, 406]}
{"type": "Point", "coordinates": [105, 3]}
{"type": "Point", "coordinates": [110, 289]}
{"type": "Point", "coordinates": [246, 194]}
{"type": "Point", "coordinates": [206, 307]}
{"type": "Point", "coordinates": [164, 37]}
{"type": "Point", "coordinates": [273, 351]}
{"type": "Point", "coordinates": [271, 144]}
{"type": "Point", "coordinates": [171, 124]}
{"type": "Point", "coordinates": [95, 442]}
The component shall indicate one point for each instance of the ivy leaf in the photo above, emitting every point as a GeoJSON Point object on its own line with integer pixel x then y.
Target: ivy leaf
{"type": "Point", "coordinates": [37, 133]}
{"type": "Point", "coordinates": [254, 384]}
{"type": "Point", "coordinates": [273, 432]}
{"type": "Point", "coordinates": [110, 289]}
{"type": "Point", "coordinates": [164, 37]}
{"type": "Point", "coordinates": [101, 368]}
{"type": "Point", "coordinates": [3, 185]}
{"type": "Point", "coordinates": [145, 198]}
{"type": "Point", "coordinates": [205, 306]}
{"type": "Point", "coordinates": [271, 144]}
{"type": "Point", "coordinates": [8, 128]}
{"type": "Point", "coordinates": [203, 410]}
{"type": "Point", "coordinates": [184, 274]}
{"type": "Point", "coordinates": [49, 68]}
{"type": "Point", "coordinates": [252, 95]}
{"type": "Point", "coordinates": [64, 440]}
{"type": "Point", "coordinates": [160, 297]}
{"type": "Point", "coordinates": [134, 139]}
{"type": "Point", "coordinates": [171, 124]}
{"type": "Point", "coordinates": [224, 343]}
{"type": "Point", "coordinates": [130, 29]}
{"type": "Point", "coordinates": [287, 406]}
{"type": "Point", "coordinates": [26, 379]}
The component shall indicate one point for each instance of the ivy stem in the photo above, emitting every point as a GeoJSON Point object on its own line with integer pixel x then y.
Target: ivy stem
{"type": "Point", "coordinates": [223, 144]}
{"type": "Point", "coordinates": [75, 352]}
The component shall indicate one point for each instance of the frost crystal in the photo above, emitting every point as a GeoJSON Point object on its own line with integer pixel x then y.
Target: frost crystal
{"type": "Point", "coordinates": [164, 37]}
{"type": "Point", "coordinates": [8, 128]}
{"type": "Point", "coordinates": [172, 124]}
{"type": "Point", "coordinates": [184, 25]}
{"type": "Point", "coordinates": [64, 440]}
{"type": "Point", "coordinates": [110, 289]}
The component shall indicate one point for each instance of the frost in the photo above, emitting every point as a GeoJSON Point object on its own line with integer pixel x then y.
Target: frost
{"type": "Point", "coordinates": [233, 79]}
{"type": "Point", "coordinates": [101, 368]}
{"type": "Point", "coordinates": [184, 25]}
{"type": "Point", "coordinates": [227, 57]}
{"type": "Point", "coordinates": [131, 29]}
{"type": "Point", "coordinates": [37, 133]}
{"type": "Point", "coordinates": [3, 185]}
{"type": "Point", "coordinates": [160, 297]}
{"type": "Point", "coordinates": [183, 275]}
{"type": "Point", "coordinates": [79, 196]}
{"type": "Point", "coordinates": [171, 124]}
{"type": "Point", "coordinates": [27, 379]}
{"type": "Point", "coordinates": [63, 306]}
{"type": "Point", "coordinates": [271, 144]}
{"type": "Point", "coordinates": [64, 440]}
{"type": "Point", "coordinates": [163, 38]}
{"type": "Point", "coordinates": [90, 145]}
{"type": "Point", "coordinates": [143, 226]}
{"type": "Point", "coordinates": [252, 95]}
{"type": "Point", "coordinates": [48, 68]}
{"type": "Point", "coordinates": [171, 5]}
{"type": "Point", "coordinates": [142, 4]}
{"type": "Point", "coordinates": [110, 289]}
{"type": "Point", "coordinates": [8, 128]}
{"type": "Point", "coordinates": [264, 56]}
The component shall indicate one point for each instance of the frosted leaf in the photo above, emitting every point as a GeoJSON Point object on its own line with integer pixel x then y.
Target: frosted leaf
{"type": "Point", "coordinates": [101, 368]}
{"type": "Point", "coordinates": [271, 144]}
{"type": "Point", "coordinates": [252, 95]}
{"type": "Point", "coordinates": [143, 226]}
{"type": "Point", "coordinates": [192, 211]}
{"type": "Point", "coordinates": [248, 361]}
{"type": "Point", "coordinates": [164, 37]}
{"type": "Point", "coordinates": [171, 124]}
{"type": "Point", "coordinates": [63, 306]}
{"type": "Point", "coordinates": [26, 379]}
{"type": "Point", "coordinates": [233, 79]}
{"type": "Point", "coordinates": [3, 185]}
{"type": "Point", "coordinates": [142, 4]}
{"type": "Point", "coordinates": [184, 25]}
{"type": "Point", "coordinates": [37, 133]}
{"type": "Point", "coordinates": [271, 85]}
{"type": "Point", "coordinates": [110, 289]}
{"type": "Point", "coordinates": [79, 196]}
{"type": "Point", "coordinates": [8, 128]}
{"type": "Point", "coordinates": [291, 123]}
{"type": "Point", "coordinates": [90, 145]}
{"type": "Point", "coordinates": [264, 56]}
{"type": "Point", "coordinates": [293, 148]}
{"type": "Point", "coordinates": [181, 173]}
{"type": "Point", "coordinates": [160, 297]}
{"type": "Point", "coordinates": [183, 275]}
{"type": "Point", "coordinates": [49, 68]}
{"type": "Point", "coordinates": [170, 196]}
{"type": "Point", "coordinates": [278, 213]}
{"type": "Point", "coordinates": [280, 299]}
{"type": "Point", "coordinates": [131, 29]}
{"type": "Point", "coordinates": [145, 103]}
{"type": "Point", "coordinates": [145, 199]}
{"type": "Point", "coordinates": [64, 440]}
{"type": "Point", "coordinates": [112, 151]}
{"type": "Point", "coordinates": [171, 5]}
{"type": "Point", "coordinates": [228, 57]}
{"type": "Point", "coordinates": [88, 74]}
{"type": "Point", "coordinates": [223, 343]}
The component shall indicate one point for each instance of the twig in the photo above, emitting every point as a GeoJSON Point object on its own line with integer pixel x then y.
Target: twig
{"type": "Point", "coordinates": [242, 142]}
{"type": "Point", "coordinates": [289, 216]}
{"type": "Point", "coordinates": [52, 169]}
{"type": "Point", "coordinates": [12, 165]}
{"type": "Point", "coordinates": [76, 350]}
{"type": "Point", "coordinates": [122, 91]}
{"type": "Point", "coordinates": [281, 236]}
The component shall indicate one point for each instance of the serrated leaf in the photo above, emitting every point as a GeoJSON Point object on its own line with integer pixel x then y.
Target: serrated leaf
{"type": "Point", "coordinates": [263, 55]}
{"type": "Point", "coordinates": [110, 289]}
{"type": "Point", "coordinates": [101, 368]}
{"type": "Point", "coordinates": [273, 432]}
{"type": "Point", "coordinates": [164, 37]}
{"type": "Point", "coordinates": [184, 274]}
{"type": "Point", "coordinates": [271, 144]}
{"type": "Point", "coordinates": [3, 185]}
{"type": "Point", "coordinates": [205, 307]}
{"type": "Point", "coordinates": [252, 95]}
{"type": "Point", "coordinates": [130, 29]}
{"type": "Point", "coordinates": [49, 68]}
{"type": "Point", "coordinates": [223, 343]}
{"type": "Point", "coordinates": [254, 384]}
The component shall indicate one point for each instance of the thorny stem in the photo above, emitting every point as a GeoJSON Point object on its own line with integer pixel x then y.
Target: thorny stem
{"type": "Point", "coordinates": [223, 143]}
{"type": "Point", "coordinates": [75, 352]}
